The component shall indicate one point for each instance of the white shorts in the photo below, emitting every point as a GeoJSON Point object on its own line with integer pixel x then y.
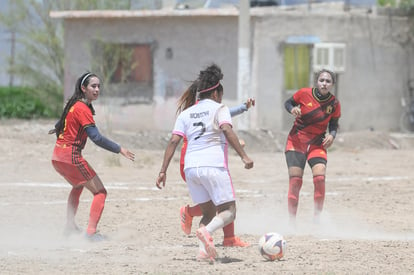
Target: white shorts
{"type": "Point", "coordinates": [210, 183]}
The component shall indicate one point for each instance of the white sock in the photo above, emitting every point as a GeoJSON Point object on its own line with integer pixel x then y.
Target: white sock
{"type": "Point", "coordinates": [216, 223]}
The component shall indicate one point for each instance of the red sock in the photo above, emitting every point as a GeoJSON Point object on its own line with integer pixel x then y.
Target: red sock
{"type": "Point", "coordinates": [97, 207]}
{"type": "Point", "coordinates": [228, 230]}
{"type": "Point", "coordinates": [73, 203]}
{"type": "Point", "coordinates": [195, 211]}
{"type": "Point", "coordinates": [295, 183]}
{"type": "Point", "coordinates": [319, 193]}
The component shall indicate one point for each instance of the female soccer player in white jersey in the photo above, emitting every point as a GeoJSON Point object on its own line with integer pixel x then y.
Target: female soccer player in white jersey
{"type": "Point", "coordinates": [208, 128]}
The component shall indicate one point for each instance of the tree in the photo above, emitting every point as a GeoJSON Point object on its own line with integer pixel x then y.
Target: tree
{"type": "Point", "coordinates": [39, 61]}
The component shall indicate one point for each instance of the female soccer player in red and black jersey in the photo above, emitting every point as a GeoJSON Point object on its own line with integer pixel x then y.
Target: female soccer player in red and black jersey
{"type": "Point", "coordinates": [75, 125]}
{"type": "Point", "coordinates": [315, 109]}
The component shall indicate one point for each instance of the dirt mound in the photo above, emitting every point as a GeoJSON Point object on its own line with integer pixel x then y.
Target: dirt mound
{"type": "Point", "coordinates": [374, 140]}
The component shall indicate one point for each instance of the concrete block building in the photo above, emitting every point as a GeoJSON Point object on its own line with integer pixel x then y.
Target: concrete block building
{"type": "Point", "coordinates": [372, 53]}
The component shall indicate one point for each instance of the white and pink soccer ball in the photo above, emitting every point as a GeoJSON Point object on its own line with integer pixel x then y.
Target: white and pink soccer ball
{"type": "Point", "coordinates": [272, 246]}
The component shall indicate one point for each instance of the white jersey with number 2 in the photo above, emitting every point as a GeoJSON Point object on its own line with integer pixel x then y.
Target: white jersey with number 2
{"type": "Point", "coordinates": [207, 145]}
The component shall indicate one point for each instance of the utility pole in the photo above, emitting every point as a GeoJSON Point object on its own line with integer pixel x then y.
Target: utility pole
{"type": "Point", "coordinates": [243, 77]}
{"type": "Point", "coordinates": [10, 7]}
{"type": "Point", "coordinates": [12, 56]}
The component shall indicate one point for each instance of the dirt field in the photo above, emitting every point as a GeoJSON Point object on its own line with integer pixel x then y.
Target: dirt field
{"type": "Point", "coordinates": [367, 225]}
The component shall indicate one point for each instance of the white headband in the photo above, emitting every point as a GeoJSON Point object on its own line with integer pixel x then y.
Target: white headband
{"type": "Point", "coordinates": [84, 78]}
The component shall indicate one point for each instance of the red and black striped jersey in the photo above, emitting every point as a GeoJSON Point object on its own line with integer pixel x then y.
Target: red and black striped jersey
{"type": "Point", "coordinates": [74, 135]}
{"type": "Point", "coordinates": [316, 114]}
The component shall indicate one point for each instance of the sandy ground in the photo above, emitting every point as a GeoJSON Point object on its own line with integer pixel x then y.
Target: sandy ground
{"type": "Point", "coordinates": [367, 225]}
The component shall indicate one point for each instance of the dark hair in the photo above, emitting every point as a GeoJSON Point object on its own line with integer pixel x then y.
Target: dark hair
{"type": "Point", "coordinates": [208, 79]}
{"type": "Point", "coordinates": [188, 98]}
{"type": "Point", "coordinates": [83, 80]}
{"type": "Point", "coordinates": [318, 73]}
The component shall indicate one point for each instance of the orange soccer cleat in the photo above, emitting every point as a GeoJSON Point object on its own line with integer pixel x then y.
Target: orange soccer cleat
{"type": "Point", "coordinates": [186, 220]}
{"type": "Point", "coordinates": [234, 241]}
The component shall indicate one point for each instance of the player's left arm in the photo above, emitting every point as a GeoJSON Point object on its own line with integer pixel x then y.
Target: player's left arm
{"type": "Point", "coordinates": [103, 142]}
{"type": "Point", "coordinates": [333, 125]}
{"type": "Point", "coordinates": [237, 110]}
{"type": "Point", "coordinates": [234, 142]}
{"type": "Point", "coordinates": [332, 130]}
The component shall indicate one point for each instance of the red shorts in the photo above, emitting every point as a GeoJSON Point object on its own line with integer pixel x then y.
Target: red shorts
{"type": "Point", "coordinates": [75, 174]}
{"type": "Point", "coordinates": [310, 150]}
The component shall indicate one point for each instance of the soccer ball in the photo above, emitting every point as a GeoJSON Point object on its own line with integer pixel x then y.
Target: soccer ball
{"type": "Point", "coordinates": [272, 246]}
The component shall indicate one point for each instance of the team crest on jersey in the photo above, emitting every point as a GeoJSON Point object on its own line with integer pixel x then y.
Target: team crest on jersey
{"type": "Point", "coordinates": [329, 109]}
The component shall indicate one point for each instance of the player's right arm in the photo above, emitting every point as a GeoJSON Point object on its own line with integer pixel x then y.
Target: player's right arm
{"type": "Point", "coordinates": [168, 154]}
{"type": "Point", "coordinates": [292, 107]}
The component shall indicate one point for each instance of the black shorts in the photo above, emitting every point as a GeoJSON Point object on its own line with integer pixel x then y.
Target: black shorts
{"type": "Point", "coordinates": [297, 159]}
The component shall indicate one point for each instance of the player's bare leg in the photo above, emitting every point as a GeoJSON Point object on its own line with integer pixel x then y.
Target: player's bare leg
{"type": "Point", "coordinates": [206, 245]}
